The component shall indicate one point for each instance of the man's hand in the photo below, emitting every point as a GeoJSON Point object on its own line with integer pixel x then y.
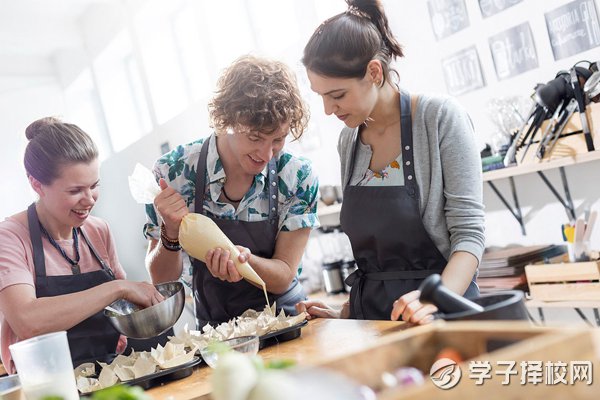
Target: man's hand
{"type": "Point", "coordinates": [171, 207]}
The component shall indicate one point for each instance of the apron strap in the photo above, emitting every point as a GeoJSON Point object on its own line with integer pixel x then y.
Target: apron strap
{"type": "Point", "coordinates": [39, 261]}
{"type": "Point", "coordinates": [273, 182]}
{"type": "Point", "coordinates": [407, 143]}
{"type": "Point", "coordinates": [201, 178]}
{"type": "Point", "coordinates": [273, 195]}
{"type": "Point", "coordinates": [35, 234]}
{"type": "Point", "coordinates": [103, 264]}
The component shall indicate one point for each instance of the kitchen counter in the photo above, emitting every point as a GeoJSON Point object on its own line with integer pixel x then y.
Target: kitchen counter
{"type": "Point", "coordinates": [321, 339]}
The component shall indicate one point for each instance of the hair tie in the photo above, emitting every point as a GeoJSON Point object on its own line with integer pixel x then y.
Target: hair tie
{"type": "Point", "coordinates": [353, 10]}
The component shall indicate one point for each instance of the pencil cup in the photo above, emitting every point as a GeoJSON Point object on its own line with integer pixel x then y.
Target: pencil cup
{"type": "Point", "coordinates": [579, 251]}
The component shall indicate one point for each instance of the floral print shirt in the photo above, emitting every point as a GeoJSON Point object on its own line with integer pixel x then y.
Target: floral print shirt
{"type": "Point", "coordinates": [391, 175]}
{"type": "Point", "coordinates": [297, 194]}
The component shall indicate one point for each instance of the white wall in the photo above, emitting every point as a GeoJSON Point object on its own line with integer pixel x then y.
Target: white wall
{"type": "Point", "coordinates": [125, 216]}
{"type": "Point", "coordinates": [19, 107]}
{"type": "Point", "coordinates": [421, 71]}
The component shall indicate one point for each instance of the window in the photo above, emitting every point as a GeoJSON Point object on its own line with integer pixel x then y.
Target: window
{"type": "Point", "coordinates": [84, 110]}
{"type": "Point", "coordinates": [155, 32]}
{"type": "Point", "coordinates": [274, 27]}
{"type": "Point", "coordinates": [192, 53]}
{"type": "Point", "coordinates": [228, 30]}
{"type": "Point", "coordinates": [120, 89]}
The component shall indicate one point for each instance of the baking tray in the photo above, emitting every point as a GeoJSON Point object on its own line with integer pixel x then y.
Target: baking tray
{"type": "Point", "coordinates": [163, 376]}
{"type": "Point", "coordinates": [282, 335]}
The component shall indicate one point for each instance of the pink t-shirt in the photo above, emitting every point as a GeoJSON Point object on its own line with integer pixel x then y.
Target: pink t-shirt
{"type": "Point", "coordinates": [16, 263]}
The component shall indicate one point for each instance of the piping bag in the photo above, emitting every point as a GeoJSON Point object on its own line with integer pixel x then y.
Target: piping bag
{"type": "Point", "coordinates": [197, 233]}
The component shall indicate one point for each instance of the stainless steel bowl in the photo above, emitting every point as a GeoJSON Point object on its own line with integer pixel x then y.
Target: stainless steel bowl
{"type": "Point", "coordinates": [131, 321]}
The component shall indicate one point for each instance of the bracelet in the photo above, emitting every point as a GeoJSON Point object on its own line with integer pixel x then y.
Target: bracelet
{"type": "Point", "coordinates": [164, 237]}
{"type": "Point", "coordinates": [170, 246]}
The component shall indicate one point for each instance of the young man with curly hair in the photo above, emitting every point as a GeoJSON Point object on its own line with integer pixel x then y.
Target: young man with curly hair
{"type": "Point", "coordinates": [262, 197]}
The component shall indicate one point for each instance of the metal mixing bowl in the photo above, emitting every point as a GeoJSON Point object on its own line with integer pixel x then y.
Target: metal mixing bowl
{"type": "Point", "coordinates": [152, 321]}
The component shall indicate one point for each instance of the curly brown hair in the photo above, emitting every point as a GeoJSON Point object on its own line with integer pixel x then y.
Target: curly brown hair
{"type": "Point", "coordinates": [258, 94]}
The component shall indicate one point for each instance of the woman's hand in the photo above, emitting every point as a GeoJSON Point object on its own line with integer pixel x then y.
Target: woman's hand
{"type": "Point", "coordinates": [412, 310]}
{"type": "Point", "coordinates": [221, 266]}
{"type": "Point", "coordinates": [171, 207]}
{"type": "Point", "coordinates": [317, 309]}
{"type": "Point", "coordinates": [143, 294]}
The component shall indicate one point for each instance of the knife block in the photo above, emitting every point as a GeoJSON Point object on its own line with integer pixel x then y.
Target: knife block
{"type": "Point", "coordinates": [565, 146]}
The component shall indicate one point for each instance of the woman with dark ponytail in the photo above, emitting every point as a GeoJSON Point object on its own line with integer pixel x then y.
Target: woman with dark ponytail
{"type": "Point", "coordinates": [58, 264]}
{"type": "Point", "coordinates": [411, 172]}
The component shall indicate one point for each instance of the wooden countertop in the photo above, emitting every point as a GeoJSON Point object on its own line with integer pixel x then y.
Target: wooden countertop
{"type": "Point", "coordinates": [321, 339]}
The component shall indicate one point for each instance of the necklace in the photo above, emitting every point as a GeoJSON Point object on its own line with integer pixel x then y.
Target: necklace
{"type": "Point", "coordinates": [228, 198]}
{"type": "Point", "coordinates": [74, 263]}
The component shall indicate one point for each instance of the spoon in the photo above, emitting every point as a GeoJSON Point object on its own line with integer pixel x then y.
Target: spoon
{"type": "Point", "coordinates": [114, 310]}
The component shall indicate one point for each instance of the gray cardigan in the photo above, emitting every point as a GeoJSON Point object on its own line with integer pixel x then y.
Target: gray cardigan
{"type": "Point", "coordinates": [448, 173]}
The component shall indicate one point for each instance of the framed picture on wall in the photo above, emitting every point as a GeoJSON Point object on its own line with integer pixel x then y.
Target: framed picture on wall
{"type": "Point", "coordinates": [491, 7]}
{"type": "Point", "coordinates": [513, 51]}
{"type": "Point", "coordinates": [462, 71]}
{"type": "Point", "coordinates": [573, 28]}
{"type": "Point", "coordinates": [447, 17]}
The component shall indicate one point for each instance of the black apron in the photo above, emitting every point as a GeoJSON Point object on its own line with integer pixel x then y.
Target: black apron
{"type": "Point", "coordinates": [94, 338]}
{"type": "Point", "coordinates": [393, 251]}
{"type": "Point", "coordinates": [219, 301]}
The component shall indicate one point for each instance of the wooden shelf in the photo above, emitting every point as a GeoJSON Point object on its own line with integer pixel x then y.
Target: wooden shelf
{"type": "Point", "coordinates": [563, 304]}
{"type": "Point", "coordinates": [541, 166]}
{"type": "Point", "coordinates": [576, 305]}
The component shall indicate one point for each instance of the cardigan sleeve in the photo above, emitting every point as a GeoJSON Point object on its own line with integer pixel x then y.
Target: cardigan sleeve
{"type": "Point", "coordinates": [462, 180]}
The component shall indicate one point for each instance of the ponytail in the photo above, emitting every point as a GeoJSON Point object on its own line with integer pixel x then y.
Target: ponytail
{"type": "Point", "coordinates": [343, 45]}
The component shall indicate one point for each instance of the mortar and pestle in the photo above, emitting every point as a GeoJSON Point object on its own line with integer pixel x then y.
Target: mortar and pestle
{"type": "Point", "coordinates": [505, 305]}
